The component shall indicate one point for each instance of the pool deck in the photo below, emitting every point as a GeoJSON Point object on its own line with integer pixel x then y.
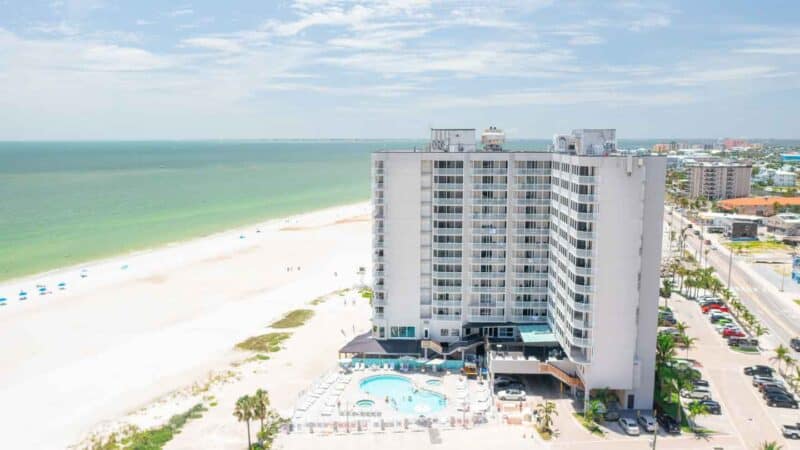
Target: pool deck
{"type": "Point", "coordinates": [330, 404]}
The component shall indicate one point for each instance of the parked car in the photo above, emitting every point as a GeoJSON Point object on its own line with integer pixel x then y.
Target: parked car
{"type": "Point", "coordinates": [629, 426]}
{"type": "Point", "coordinates": [743, 343]}
{"type": "Point", "coordinates": [712, 406]}
{"type": "Point", "coordinates": [700, 382]}
{"type": "Point", "coordinates": [759, 379]}
{"type": "Point", "coordinates": [512, 395]}
{"type": "Point", "coordinates": [648, 423]}
{"type": "Point", "coordinates": [715, 307]}
{"type": "Point", "coordinates": [668, 423]}
{"type": "Point", "coordinates": [502, 381]}
{"type": "Point", "coordinates": [667, 321]}
{"type": "Point", "coordinates": [759, 370]}
{"type": "Point", "coordinates": [670, 331]}
{"type": "Point", "coordinates": [791, 431]}
{"type": "Point", "coordinates": [795, 344]}
{"type": "Point", "coordinates": [771, 391]}
{"type": "Point", "coordinates": [708, 300]}
{"type": "Point", "coordinates": [776, 383]}
{"type": "Point", "coordinates": [781, 401]}
{"type": "Point", "coordinates": [733, 332]}
{"type": "Point", "coordinates": [699, 392]}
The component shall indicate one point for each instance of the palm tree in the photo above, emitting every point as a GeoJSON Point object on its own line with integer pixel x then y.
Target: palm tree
{"type": "Point", "coordinates": [681, 327]}
{"type": "Point", "coordinates": [687, 343]}
{"type": "Point", "coordinates": [244, 413]}
{"type": "Point", "coordinates": [696, 409]}
{"type": "Point", "coordinates": [260, 405]}
{"type": "Point", "coordinates": [592, 411]}
{"type": "Point", "coordinates": [545, 411]}
{"type": "Point", "coordinates": [781, 352]}
{"type": "Point", "coordinates": [665, 349]}
{"type": "Point", "coordinates": [672, 394]}
{"type": "Point", "coordinates": [770, 446]}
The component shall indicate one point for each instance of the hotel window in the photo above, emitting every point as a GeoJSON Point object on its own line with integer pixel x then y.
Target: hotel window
{"type": "Point", "coordinates": [402, 332]}
{"type": "Point", "coordinates": [444, 332]}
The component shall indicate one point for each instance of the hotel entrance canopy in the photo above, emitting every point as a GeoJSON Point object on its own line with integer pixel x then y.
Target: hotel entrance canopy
{"type": "Point", "coordinates": [537, 334]}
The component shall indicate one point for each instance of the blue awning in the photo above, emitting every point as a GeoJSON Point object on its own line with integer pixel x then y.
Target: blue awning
{"type": "Point", "coordinates": [537, 334]}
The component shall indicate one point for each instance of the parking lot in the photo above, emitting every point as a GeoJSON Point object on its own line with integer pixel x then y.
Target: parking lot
{"type": "Point", "coordinates": [744, 412]}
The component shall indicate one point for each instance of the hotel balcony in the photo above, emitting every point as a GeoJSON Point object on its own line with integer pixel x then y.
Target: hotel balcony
{"type": "Point", "coordinates": [455, 317]}
{"type": "Point", "coordinates": [446, 245]}
{"type": "Point", "coordinates": [447, 259]}
{"type": "Point", "coordinates": [476, 259]}
{"type": "Point", "coordinates": [488, 245]}
{"type": "Point", "coordinates": [490, 171]}
{"type": "Point", "coordinates": [446, 303]}
{"type": "Point", "coordinates": [476, 316]}
{"type": "Point", "coordinates": [529, 171]}
{"type": "Point", "coordinates": [489, 231]}
{"type": "Point", "coordinates": [447, 201]}
{"type": "Point", "coordinates": [488, 289]}
{"type": "Point", "coordinates": [585, 234]}
{"type": "Point", "coordinates": [447, 275]}
{"type": "Point", "coordinates": [489, 187]}
{"type": "Point", "coordinates": [584, 307]}
{"type": "Point", "coordinates": [579, 342]}
{"type": "Point", "coordinates": [489, 216]}
{"type": "Point", "coordinates": [448, 171]}
{"type": "Point", "coordinates": [448, 216]}
{"type": "Point", "coordinates": [531, 201]}
{"type": "Point", "coordinates": [489, 201]}
{"type": "Point", "coordinates": [489, 275]}
{"type": "Point", "coordinates": [378, 273]}
{"type": "Point", "coordinates": [448, 186]}
{"type": "Point", "coordinates": [447, 289]}
{"type": "Point", "coordinates": [583, 289]}
{"type": "Point", "coordinates": [522, 216]}
{"type": "Point", "coordinates": [448, 231]}
{"type": "Point", "coordinates": [583, 179]}
{"type": "Point", "coordinates": [532, 187]}
{"type": "Point", "coordinates": [583, 216]}
{"type": "Point", "coordinates": [531, 231]}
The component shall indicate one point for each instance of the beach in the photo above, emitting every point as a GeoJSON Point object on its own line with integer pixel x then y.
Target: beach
{"type": "Point", "coordinates": [143, 325]}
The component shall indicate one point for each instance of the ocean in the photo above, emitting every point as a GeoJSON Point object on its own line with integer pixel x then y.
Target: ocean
{"type": "Point", "coordinates": [63, 203]}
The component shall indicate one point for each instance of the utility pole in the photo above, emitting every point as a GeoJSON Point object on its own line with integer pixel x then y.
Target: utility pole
{"type": "Point", "coordinates": [730, 266]}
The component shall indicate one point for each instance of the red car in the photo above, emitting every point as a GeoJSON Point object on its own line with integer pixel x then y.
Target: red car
{"type": "Point", "coordinates": [731, 332]}
{"type": "Point", "coordinates": [714, 307]}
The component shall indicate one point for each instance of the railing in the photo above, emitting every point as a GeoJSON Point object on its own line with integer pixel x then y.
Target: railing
{"type": "Point", "coordinates": [489, 216]}
{"type": "Point", "coordinates": [448, 216]}
{"type": "Point", "coordinates": [477, 317]}
{"type": "Point", "coordinates": [448, 186]}
{"type": "Point", "coordinates": [490, 171]}
{"type": "Point", "coordinates": [446, 245]}
{"type": "Point", "coordinates": [490, 187]}
{"type": "Point", "coordinates": [447, 289]}
{"type": "Point", "coordinates": [532, 186]}
{"type": "Point", "coordinates": [529, 171]}
{"type": "Point", "coordinates": [564, 377]}
{"type": "Point", "coordinates": [447, 201]}
{"type": "Point", "coordinates": [448, 231]}
{"type": "Point", "coordinates": [489, 201]}
{"type": "Point", "coordinates": [488, 275]}
{"type": "Point", "coordinates": [488, 289]}
{"type": "Point", "coordinates": [447, 171]}
{"type": "Point", "coordinates": [585, 307]}
{"type": "Point", "coordinates": [489, 231]}
{"type": "Point", "coordinates": [447, 259]}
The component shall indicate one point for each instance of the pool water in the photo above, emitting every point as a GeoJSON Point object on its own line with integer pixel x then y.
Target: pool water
{"type": "Point", "coordinates": [365, 404]}
{"type": "Point", "coordinates": [402, 394]}
{"type": "Point", "coordinates": [434, 382]}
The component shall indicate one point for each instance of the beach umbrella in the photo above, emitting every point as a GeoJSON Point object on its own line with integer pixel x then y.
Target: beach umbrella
{"type": "Point", "coordinates": [42, 290]}
{"type": "Point", "coordinates": [2, 301]}
{"type": "Point", "coordinates": [23, 295]}
{"type": "Point", "coordinates": [62, 285]}
{"type": "Point", "coordinates": [84, 273]}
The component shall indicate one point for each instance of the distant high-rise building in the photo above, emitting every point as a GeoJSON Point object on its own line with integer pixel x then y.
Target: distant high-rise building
{"type": "Point", "coordinates": [719, 180]}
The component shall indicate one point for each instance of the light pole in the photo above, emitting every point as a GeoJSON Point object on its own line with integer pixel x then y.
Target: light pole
{"type": "Point", "coordinates": [730, 266]}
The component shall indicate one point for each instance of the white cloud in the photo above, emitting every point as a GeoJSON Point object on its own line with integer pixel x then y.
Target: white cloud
{"type": "Point", "coordinates": [114, 58]}
{"type": "Point", "coordinates": [649, 22]}
{"type": "Point", "coordinates": [211, 43]}
{"type": "Point", "coordinates": [142, 22]}
{"type": "Point", "coordinates": [181, 12]}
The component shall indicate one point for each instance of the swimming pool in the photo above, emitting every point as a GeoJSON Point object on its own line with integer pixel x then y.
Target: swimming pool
{"type": "Point", "coordinates": [434, 382]}
{"type": "Point", "coordinates": [402, 394]}
{"type": "Point", "coordinates": [365, 404]}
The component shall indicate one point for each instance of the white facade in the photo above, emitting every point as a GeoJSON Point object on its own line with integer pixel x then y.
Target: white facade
{"type": "Point", "coordinates": [464, 240]}
{"type": "Point", "coordinates": [784, 179]}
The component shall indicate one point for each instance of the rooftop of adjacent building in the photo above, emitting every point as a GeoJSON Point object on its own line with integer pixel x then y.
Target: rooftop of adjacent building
{"type": "Point", "coordinates": [789, 218]}
{"type": "Point", "coordinates": [732, 203]}
{"type": "Point", "coordinates": [721, 164]}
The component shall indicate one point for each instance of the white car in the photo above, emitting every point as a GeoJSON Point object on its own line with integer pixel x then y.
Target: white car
{"type": "Point", "coordinates": [647, 422]}
{"type": "Point", "coordinates": [629, 426]}
{"type": "Point", "coordinates": [512, 394]}
{"type": "Point", "coordinates": [699, 392]}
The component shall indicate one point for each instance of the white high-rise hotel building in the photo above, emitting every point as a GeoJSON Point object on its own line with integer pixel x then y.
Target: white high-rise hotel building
{"type": "Point", "coordinates": [479, 242]}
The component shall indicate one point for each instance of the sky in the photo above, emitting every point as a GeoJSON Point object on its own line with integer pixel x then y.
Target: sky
{"type": "Point", "coordinates": [144, 69]}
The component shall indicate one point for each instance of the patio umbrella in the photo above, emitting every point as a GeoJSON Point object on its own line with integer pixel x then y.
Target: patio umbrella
{"type": "Point", "coordinates": [2, 301]}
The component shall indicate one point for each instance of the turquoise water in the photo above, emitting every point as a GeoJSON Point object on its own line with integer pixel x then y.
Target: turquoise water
{"type": "Point", "coordinates": [62, 203]}
{"type": "Point", "coordinates": [402, 394]}
{"type": "Point", "coordinates": [365, 404]}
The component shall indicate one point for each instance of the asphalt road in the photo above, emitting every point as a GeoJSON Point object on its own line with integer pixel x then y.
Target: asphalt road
{"type": "Point", "coordinates": [781, 317]}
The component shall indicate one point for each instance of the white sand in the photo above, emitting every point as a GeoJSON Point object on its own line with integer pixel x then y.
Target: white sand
{"type": "Point", "coordinates": [121, 338]}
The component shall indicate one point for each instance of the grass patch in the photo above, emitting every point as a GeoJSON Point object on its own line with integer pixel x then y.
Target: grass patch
{"type": "Point", "coordinates": [294, 319]}
{"type": "Point", "coordinates": [366, 293]}
{"type": "Point", "coordinates": [591, 426]}
{"type": "Point", "coordinates": [318, 301]}
{"type": "Point", "coordinates": [747, 351]}
{"type": "Point", "coordinates": [133, 438]}
{"type": "Point", "coordinates": [265, 343]}
{"type": "Point", "coordinates": [756, 246]}
{"type": "Point", "coordinates": [797, 301]}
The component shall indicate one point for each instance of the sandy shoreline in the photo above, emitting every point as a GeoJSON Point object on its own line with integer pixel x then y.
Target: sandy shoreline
{"type": "Point", "coordinates": [120, 338]}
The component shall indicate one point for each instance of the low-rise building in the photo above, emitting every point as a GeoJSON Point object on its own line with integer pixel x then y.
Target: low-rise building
{"type": "Point", "coordinates": [787, 224]}
{"type": "Point", "coordinates": [759, 206]}
{"type": "Point", "coordinates": [783, 178]}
